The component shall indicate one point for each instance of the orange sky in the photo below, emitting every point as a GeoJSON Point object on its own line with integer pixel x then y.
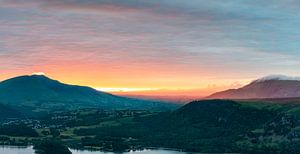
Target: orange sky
{"type": "Point", "coordinates": [138, 81]}
{"type": "Point", "coordinates": [167, 47]}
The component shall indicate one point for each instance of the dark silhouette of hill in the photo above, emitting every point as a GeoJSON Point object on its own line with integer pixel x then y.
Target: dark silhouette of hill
{"type": "Point", "coordinates": [42, 93]}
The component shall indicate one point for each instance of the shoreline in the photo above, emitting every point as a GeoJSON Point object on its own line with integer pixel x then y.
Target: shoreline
{"type": "Point", "coordinates": [91, 150]}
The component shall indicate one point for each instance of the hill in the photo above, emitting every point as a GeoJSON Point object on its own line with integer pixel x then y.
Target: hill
{"type": "Point", "coordinates": [41, 93]}
{"type": "Point", "coordinates": [209, 126]}
{"type": "Point", "coordinates": [8, 112]}
{"type": "Point", "coordinates": [262, 88]}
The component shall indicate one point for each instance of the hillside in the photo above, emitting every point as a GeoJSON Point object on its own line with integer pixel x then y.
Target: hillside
{"type": "Point", "coordinates": [42, 93]}
{"type": "Point", "coordinates": [8, 112]}
{"type": "Point", "coordinates": [209, 126]}
{"type": "Point", "coordinates": [269, 88]}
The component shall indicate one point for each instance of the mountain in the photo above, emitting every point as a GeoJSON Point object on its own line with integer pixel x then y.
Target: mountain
{"type": "Point", "coordinates": [181, 99]}
{"type": "Point", "coordinates": [39, 92]}
{"type": "Point", "coordinates": [220, 114]}
{"type": "Point", "coordinates": [210, 126]}
{"type": "Point", "coordinates": [225, 126]}
{"type": "Point", "coordinates": [8, 112]}
{"type": "Point", "coordinates": [263, 88]}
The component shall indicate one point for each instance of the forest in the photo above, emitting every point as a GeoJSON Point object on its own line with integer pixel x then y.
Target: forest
{"type": "Point", "coordinates": [200, 126]}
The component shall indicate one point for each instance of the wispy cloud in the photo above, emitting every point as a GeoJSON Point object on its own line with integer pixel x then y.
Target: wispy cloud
{"type": "Point", "coordinates": [170, 42]}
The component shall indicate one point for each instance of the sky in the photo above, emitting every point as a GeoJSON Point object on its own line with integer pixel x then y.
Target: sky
{"type": "Point", "coordinates": [175, 46]}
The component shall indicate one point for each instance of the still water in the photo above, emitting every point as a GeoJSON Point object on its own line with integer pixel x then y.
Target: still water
{"type": "Point", "coordinates": [29, 150]}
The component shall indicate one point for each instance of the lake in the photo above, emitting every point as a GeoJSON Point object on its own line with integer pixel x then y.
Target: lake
{"type": "Point", "coordinates": [29, 150]}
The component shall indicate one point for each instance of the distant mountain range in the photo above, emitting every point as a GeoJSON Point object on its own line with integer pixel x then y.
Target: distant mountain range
{"type": "Point", "coordinates": [38, 92]}
{"type": "Point", "coordinates": [267, 87]}
{"type": "Point", "coordinates": [180, 99]}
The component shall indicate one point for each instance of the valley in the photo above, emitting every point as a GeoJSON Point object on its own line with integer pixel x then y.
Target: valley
{"type": "Point", "coordinates": [149, 76]}
{"type": "Point", "coordinates": [49, 115]}
{"type": "Point", "coordinates": [196, 127]}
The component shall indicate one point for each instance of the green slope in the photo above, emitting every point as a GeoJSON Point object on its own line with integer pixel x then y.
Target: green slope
{"type": "Point", "coordinates": [42, 93]}
{"type": "Point", "coordinates": [230, 126]}
{"type": "Point", "coordinates": [8, 112]}
{"type": "Point", "coordinates": [211, 126]}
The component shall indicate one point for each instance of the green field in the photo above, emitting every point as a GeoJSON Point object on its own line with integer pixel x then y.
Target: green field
{"type": "Point", "coordinates": [203, 126]}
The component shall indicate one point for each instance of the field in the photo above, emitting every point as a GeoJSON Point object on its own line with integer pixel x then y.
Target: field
{"type": "Point", "coordinates": [204, 126]}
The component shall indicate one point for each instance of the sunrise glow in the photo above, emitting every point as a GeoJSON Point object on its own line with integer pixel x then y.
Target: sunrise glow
{"type": "Point", "coordinates": [125, 89]}
{"type": "Point", "coordinates": [154, 46]}
{"type": "Point", "coordinates": [38, 73]}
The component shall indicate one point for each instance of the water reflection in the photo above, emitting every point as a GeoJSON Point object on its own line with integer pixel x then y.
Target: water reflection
{"type": "Point", "coordinates": [29, 150]}
{"type": "Point", "coordinates": [16, 150]}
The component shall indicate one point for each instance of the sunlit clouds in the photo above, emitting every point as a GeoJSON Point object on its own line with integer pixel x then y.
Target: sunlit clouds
{"type": "Point", "coordinates": [38, 73]}
{"type": "Point", "coordinates": [131, 45]}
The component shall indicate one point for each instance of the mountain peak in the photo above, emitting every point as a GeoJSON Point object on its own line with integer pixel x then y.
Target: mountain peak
{"type": "Point", "coordinates": [30, 76]}
{"type": "Point", "coordinates": [45, 93]}
{"type": "Point", "coordinates": [273, 86]}
{"type": "Point", "coordinates": [277, 77]}
{"type": "Point", "coordinates": [34, 76]}
{"type": "Point", "coordinates": [28, 79]}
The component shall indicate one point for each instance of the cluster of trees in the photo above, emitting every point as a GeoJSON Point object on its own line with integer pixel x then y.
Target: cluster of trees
{"type": "Point", "coordinates": [216, 126]}
{"type": "Point", "coordinates": [212, 126]}
{"type": "Point", "coordinates": [282, 125]}
{"type": "Point", "coordinates": [113, 144]}
{"type": "Point", "coordinates": [18, 130]}
{"type": "Point", "coordinates": [50, 146]}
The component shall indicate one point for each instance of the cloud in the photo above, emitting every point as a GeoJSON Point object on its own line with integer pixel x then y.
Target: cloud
{"type": "Point", "coordinates": [278, 77]}
{"type": "Point", "coordinates": [166, 38]}
{"type": "Point", "coordinates": [198, 10]}
{"type": "Point", "coordinates": [124, 6]}
{"type": "Point", "coordinates": [38, 73]}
